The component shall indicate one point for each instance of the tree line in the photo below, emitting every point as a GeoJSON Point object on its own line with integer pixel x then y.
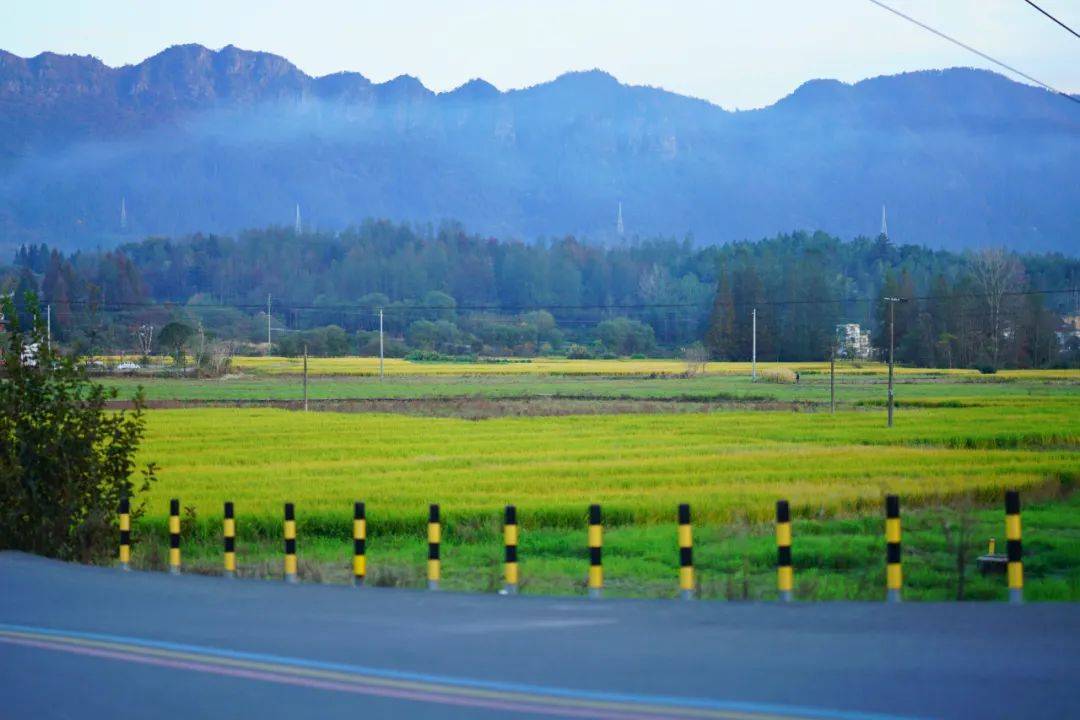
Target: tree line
{"type": "Point", "coordinates": [444, 290]}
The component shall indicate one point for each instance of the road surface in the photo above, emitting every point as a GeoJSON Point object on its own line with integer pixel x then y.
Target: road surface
{"type": "Point", "coordinates": [86, 642]}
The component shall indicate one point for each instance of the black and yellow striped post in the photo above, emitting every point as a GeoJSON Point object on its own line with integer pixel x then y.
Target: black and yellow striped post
{"type": "Point", "coordinates": [596, 542]}
{"type": "Point", "coordinates": [510, 542]}
{"type": "Point", "coordinates": [174, 536]}
{"type": "Point", "coordinates": [894, 574]}
{"type": "Point", "coordinates": [125, 534]}
{"type": "Point", "coordinates": [434, 537]}
{"type": "Point", "coordinates": [359, 539]}
{"type": "Point", "coordinates": [290, 543]}
{"type": "Point", "coordinates": [1013, 547]}
{"type": "Point", "coordinates": [228, 529]}
{"type": "Point", "coordinates": [784, 574]}
{"type": "Point", "coordinates": [686, 554]}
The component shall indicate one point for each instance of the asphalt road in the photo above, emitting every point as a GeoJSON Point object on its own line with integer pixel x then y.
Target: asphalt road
{"type": "Point", "coordinates": [84, 642]}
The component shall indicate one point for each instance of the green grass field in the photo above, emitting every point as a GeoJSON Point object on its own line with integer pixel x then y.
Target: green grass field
{"type": "Point", "coordinates": [851, 389]}
{"type": "Point", "coordinates": [834, 559]}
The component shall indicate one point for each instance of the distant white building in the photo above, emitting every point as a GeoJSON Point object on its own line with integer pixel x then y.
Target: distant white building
{"type": "Point", "coordinates": [1070, 330]}
{"type": "Point", "coordinates": [852, 342]}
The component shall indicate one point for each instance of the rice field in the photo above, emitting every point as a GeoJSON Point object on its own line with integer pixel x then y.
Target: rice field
{"type": "Point", "coordinates": [959, 440]}
{"type": "Point", "coordinates": [369, 366]}
{"type": "Point", "coordinates": [727, 464]}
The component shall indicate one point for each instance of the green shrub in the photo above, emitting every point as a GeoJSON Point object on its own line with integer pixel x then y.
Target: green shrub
{"type": "Point", "coordinates": [65, 460]}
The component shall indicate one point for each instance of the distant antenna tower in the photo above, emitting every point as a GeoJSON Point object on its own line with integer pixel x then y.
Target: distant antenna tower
{"type": "Point", "coordinates": [884, 225]}
{"type": "Point", "coordinates": [618, 223]}
{"type": "Point", "coordinates": [123, 213]}
{"type": "Point", "coordinates": [299, 227]}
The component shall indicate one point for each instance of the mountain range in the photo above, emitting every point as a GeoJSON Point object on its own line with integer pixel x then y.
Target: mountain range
{"type": "Point", "coordinates": [197, 140]}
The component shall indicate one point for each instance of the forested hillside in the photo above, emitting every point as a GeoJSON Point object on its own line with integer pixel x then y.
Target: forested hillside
{"type": "Point", "coordinates": [448, 291]}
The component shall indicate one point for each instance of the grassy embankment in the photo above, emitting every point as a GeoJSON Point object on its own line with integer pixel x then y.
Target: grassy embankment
{"type": "Point", "coordinates": [731, 466]}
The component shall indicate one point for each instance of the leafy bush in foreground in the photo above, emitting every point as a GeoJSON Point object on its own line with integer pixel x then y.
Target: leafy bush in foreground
{"type": "Point", "coordinates": [65, 460]}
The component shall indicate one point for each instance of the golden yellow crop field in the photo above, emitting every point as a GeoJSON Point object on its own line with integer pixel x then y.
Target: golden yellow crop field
{"type": "Point", "coordinates": [369, 366]}
{"type": "Point", "coordinates": [639, 466]}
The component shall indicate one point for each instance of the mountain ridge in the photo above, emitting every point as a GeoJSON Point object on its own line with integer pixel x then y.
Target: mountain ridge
{"type": "Point", "coordinates": [194, 139]}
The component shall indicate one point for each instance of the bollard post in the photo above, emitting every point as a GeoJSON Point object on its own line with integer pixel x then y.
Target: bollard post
{"type": "Point", "coordinates": [1013, 547]}
{"type": "Point", "coordinates": [510, 541]}
{"type": "Point", "coordinates": [125, 534]}
{"type": "Point", "coordinates": [894, 575]}
{"type": "Point", "coordinates": [784, 574]}
{"type": "Point", "coordinates": [991, 546]}
{"type": "Point", "coordinates": [290, 543]}
{"type": "Point", "coordinates": [434, 536]}
{"type": "Point", "coordinates": [359, 534]}
{"type": "Point", "coordinates": [174, 536]}
{"type": "Point", "coordinates": [596, 541]}
{"type": "Point", "coordinates": [229, 532]}
{"type": "Point", "coordinates": [686, 554]}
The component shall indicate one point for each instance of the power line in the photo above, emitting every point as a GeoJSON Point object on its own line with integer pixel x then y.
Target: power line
{"type": "Point", "coordinates": [1052, 17]}
{"type": "Point", "coordinates": [980, 53]}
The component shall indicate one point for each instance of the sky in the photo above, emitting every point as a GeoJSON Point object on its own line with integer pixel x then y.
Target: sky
{"type": "Point", "coordinates": [739, 54]}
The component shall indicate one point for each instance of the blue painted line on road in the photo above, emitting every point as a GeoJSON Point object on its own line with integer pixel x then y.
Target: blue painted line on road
{"type": "Point", "coordinates": [493, 685]}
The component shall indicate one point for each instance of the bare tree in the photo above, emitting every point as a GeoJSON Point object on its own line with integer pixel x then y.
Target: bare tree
{"type": "Point", "coordinates": [696, 356]}
{"type": "Point", "coordinates": [997, 273]}
{"type": "Point", "coordinates": [216, 360]}
{"type": "Point", "coordinates": [146, 339]}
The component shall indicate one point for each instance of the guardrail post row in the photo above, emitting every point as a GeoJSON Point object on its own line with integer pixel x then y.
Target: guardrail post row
{"type": "Point", "coordinates": [228, 528]}
{"type": "Point", "coordinates": [125, 534]}
{"type": "Point", "coordinates": [894, 574]}
{"type": "Point", "coordinates": [596, 542]}
{"type": "Point", "coordinates": [434, 537]}
{"type": "Point", "coordinates": [1013, 547]}
{"type": "Point", "coordinates": [290, 543]}
{"type": "Point", "coordinates": [510, 541]}
{"type": "Point", "coordinates": [784, 574]}
{"type": "Point", "coordinates": [359, 534]}
{"type": "Point", "coordinates": [174, 536]}
{"type": "Point", "coordinates": [686, 554]}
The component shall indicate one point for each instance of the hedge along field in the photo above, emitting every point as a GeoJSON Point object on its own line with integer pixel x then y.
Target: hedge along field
{"type": "Point", "coordinates": [729, 464]}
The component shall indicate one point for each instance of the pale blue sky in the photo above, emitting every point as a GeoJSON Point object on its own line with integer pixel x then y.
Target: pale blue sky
{"type": "Point", "coordinates": [738, 54]}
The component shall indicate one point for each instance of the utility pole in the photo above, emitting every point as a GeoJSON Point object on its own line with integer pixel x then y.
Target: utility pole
{"type": "Point", "coordinates": [832, 377]}
{"type": "Point", "coordinates": [48, 326]}
{"type": "Point", "coordinates": [892, 333]}
{"type": "Point", "coordinates": [380, 345]}
{"type": "Point", "coordinates": [753, 357]}
{"type": "Point", "coordinates": [269, 345]}
{"type": "Point", "coordinates": [305, 377]}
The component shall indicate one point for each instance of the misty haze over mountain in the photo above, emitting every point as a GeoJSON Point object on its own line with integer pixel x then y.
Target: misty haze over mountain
{"type": "Point", "coordinates": [197, 140]}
